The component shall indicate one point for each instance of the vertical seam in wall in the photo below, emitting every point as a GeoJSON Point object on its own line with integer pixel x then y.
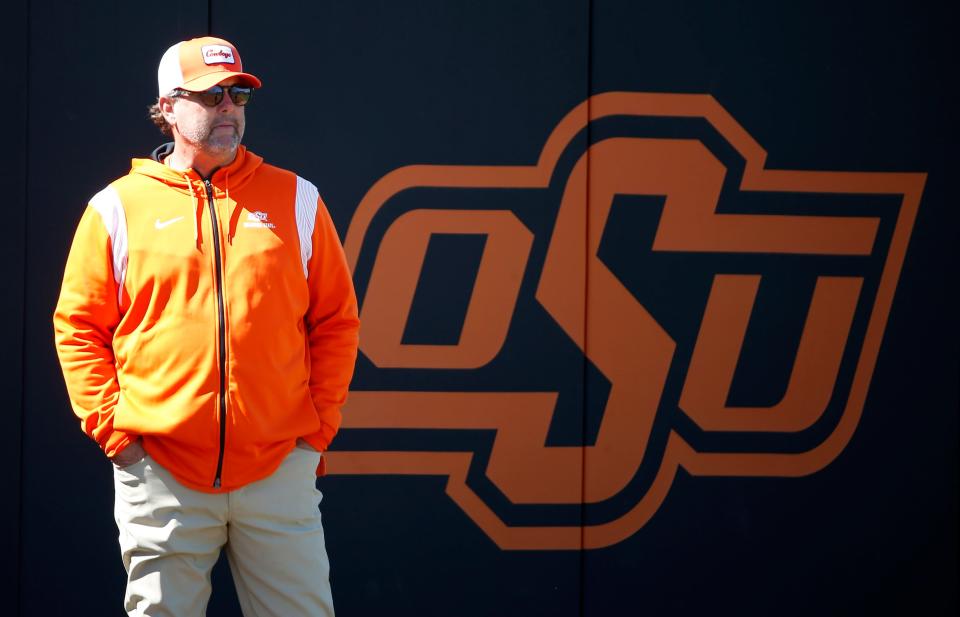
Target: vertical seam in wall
{"type": "Point", "coordinates": [586, 291]}
{"type": "Point", "coordinates": [23, 313]}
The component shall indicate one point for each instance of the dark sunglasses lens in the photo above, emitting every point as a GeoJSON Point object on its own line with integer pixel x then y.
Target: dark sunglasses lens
{"type": "Point", "coordinates": [240, 95]}
{"type": "Point", "coordinates": [211, 97]}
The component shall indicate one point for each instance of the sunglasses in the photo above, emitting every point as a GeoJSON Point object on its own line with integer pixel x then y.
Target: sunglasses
{"type": "Point", "coordinates": [211, 97]}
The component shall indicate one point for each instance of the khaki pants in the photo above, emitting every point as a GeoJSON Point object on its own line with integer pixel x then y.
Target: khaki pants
{"type": "Point", "coordinates": [171, 536]}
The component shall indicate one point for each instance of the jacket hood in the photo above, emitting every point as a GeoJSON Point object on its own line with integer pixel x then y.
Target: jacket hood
{"type": "Point", "coordinates": [235, 175]}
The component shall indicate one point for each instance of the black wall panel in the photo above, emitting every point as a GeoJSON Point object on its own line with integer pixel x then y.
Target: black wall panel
{"type": "Point", "coordinates": [355, 90]}
{"type": "Point", "coordinates": [13, 170]}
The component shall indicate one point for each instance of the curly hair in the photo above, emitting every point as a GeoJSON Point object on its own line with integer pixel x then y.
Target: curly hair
{"type": "Point", "coordinates": [156, 116]}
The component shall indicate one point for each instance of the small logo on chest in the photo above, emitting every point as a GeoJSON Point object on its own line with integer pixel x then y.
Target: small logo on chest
{"type": "Point", "coordinates": [161, 224]}
{"type": "Point", "coordinates": [258, 219]}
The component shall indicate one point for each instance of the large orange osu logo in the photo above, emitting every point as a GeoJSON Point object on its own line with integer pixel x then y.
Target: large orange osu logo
{"type": "Point", "coordinates": [614, 330]}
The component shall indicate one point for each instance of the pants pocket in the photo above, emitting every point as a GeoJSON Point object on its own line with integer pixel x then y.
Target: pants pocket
{"type": "Point", "coordinates": [130, 482]}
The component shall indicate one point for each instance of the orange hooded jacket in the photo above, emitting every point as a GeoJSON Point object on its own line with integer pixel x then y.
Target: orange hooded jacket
{"type": "Point", "coordinates": [216, 319]}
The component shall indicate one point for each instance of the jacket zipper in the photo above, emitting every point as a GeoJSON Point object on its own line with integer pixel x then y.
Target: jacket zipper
{"type": "Point", "coordinates": [222, 331]}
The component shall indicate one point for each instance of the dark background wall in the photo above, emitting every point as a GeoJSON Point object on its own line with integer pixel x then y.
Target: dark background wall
{"type": "Point", "coordinates": [354, 90]}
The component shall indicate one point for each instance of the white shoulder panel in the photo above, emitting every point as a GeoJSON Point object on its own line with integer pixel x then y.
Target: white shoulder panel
{"type": "Point", "coordinates": [306, 210]}
{"type": "Point", "coordinates": [107, 203]}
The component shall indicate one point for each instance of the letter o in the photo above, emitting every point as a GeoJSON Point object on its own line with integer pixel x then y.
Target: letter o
{"type": "Point", "coordinates": [396, 271]}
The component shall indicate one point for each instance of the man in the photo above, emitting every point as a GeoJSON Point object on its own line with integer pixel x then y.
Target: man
{"type": "Point", "coordinates": [207, 331]}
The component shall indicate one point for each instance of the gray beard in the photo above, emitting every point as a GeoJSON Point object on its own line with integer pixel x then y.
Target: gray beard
{"type": "Point", "coordinates": [215, 146]}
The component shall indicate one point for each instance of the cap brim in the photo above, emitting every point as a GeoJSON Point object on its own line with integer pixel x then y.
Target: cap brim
{"type": "Point", "coordinates": [212, 79]}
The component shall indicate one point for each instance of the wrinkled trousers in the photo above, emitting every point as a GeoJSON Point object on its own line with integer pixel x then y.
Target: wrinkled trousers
{"type": "Point", "coordinates": [171, 537]}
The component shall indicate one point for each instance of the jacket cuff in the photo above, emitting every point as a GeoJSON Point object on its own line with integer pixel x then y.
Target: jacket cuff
{"type": "Point", "coordinates": [320, 442]}
{"type": "Point", "coordinates": [117, 442]}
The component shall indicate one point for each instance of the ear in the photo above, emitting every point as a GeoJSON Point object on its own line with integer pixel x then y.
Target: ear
{"type": "Point", "coordinates": [165, 104]}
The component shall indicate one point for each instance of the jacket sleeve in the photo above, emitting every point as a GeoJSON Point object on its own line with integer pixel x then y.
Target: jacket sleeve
{"type": "Point", "coordinates": [86, 315]}
{"type": "Point", "coordinates": [332, 327]}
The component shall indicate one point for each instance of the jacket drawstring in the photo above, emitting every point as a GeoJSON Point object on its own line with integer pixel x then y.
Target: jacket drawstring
{"type": "Point", "coordinates": [234, 214]}
{"type": "Point", "coordinates": [197, 212]}
{"type": "Point", "coordinates": [226, 189]}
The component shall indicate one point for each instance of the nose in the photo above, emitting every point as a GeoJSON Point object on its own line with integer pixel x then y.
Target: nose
{"type": "Point", "coordinates": [226, 104]}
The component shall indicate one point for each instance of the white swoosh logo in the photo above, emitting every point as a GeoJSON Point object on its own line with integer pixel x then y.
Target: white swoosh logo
{"type": "Point", "coordinates": [160, 225]}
